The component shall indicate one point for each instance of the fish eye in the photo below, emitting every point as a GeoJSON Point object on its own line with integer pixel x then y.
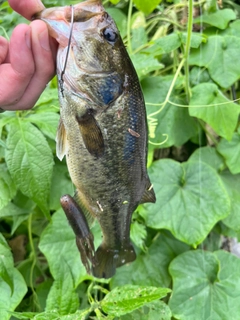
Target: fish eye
{"type": "Point", "coordinates": [110, 35]}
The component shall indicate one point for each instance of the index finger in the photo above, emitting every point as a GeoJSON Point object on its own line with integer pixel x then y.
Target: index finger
{"type": "Point", "coordinates": [26, 8]}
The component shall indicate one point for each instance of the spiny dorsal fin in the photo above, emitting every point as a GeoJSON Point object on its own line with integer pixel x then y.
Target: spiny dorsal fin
{"type": "Point", "coordinates": [61, 140]}
{"type": "Point", "coordinates": [91, 134]}
{"type": "Point", "coordinates": [149, 194]}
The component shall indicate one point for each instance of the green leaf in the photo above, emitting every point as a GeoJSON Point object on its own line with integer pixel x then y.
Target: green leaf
{"type": "Point", "coordinates": [151, 311]}
{"type": "Point", "coordinates": [138, 234]}
{"type": "Point", "coordinates": [163, 45]}
{"type": "Point", "coordinates": [205, 284]}
{"type": "Point", "coordinates": [122, 300]}
{"type": "Point", "coordinates": [7, 187]}
{"type": "Point", "coordinates": [146, 6]}
{"type": "Point", "coordinates": [12, 285]}
{"type": "Point", "coordinates": [219, 56]}
{"type": "Point", "coordinates": [30, 162]}
{"type": "Point", "coordinates": [61, 184]}
{"type": "Point", "coordinates": [145, 64]}
{"type": "Point", "coordinates": [210, 156]}
{"type": "Point", "coordinates": [219, 112]}
{"type": "Point", "coordinates": [196, 39]}
{"type": "Point", "coordinates": [191, 196]}
{"type": "Point", "coordinates": [171, 119]}
{"type": "Point", "coordinates": [232, 185]}
{"type": "Point", "coordinates": [151, 267]}
{"type": "Point", "coordinates": [219, 19]}
{"type": "Point", "coordinates": [57, 243]}
{"type": "Point", "coordinates": [230, 150]}
{"type": "Point", "coordinates": [47, 122]}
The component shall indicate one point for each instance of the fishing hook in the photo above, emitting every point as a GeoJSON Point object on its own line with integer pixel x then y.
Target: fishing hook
{"type": "Point", "coordinates": [68, 49]}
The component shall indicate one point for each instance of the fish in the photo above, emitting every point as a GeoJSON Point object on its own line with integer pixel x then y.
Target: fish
{"type": "Point", "coordinates": [102, 132]}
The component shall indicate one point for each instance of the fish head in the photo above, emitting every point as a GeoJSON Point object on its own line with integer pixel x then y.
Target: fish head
{"type": "Point", "coordinates": [96, 45]}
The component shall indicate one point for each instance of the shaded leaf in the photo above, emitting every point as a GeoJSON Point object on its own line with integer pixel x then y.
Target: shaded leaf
{"type": "Point", "coordinates": [220, 56]}
{"type": "Point", "coordinates": [151, 311]}
{"type": "Point", "coordinates": [163, 45]}
{"type": "Point", "coordinates": [151, 267]}
{"type": "Point", "coordinates": [171, 119]}
{"type": "Point", "coordinates": [210, 156]}
{"type": "Point", "coordinates": [232, 185]}
{"type": "Point", "coordinates": [219, 19]}
{"type": "Point", "coordinates": [191, 198]}
{"type": "Point", "coordinates": [12, 285]}
{"type": "Point", "coordinates": [230, 150]}
{"type": "Point", "coordinates": [146, 6]}
{"type": "Point", "coordinates": [7, 187]}
{"type": "Point", "coordinates": [47, 122]}
{"type": "Point", "coordinates": [205, 284]}
{"type": "Point", "coordinates": [30, 162]}
{"type": "Point", "coordinates": [219, 112]}
{"type": "Point", "coordinates": [144, 64]}
{"type": "Point", "coordinates": [122, 300]}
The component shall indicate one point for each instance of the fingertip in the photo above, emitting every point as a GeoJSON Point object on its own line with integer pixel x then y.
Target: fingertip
{"type": "Point", "coordinates": [3, 49]}
{"type": "Point", "coordinates": [26, 8]}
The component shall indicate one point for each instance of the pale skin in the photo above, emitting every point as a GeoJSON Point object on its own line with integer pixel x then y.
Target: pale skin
{"type": "Point", "coordinates": [27, 61]}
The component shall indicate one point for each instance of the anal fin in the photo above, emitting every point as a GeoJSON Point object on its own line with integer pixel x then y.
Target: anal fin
{"type": "Point", "coordinates": [149, 194]}
{"type": "Point", "coordinates": [91, 134]}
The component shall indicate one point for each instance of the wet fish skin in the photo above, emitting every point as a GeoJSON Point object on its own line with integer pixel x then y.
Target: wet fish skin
{"type": "Point", "coordinates": [102, 132]}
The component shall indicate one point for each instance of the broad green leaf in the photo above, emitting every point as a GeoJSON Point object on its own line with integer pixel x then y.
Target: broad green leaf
{"type": "Point", "coordinates": [170, 121]}
{"type": "Point", "coordinates": [12, 285]}
{"type": "Point", "coordinates": [199, 75]}
{"type": "Point", "coordinates": [191, 198]}
{"type": "Point", "coordinates": [210, 156]}
{"type": "Point", "coordinates": [230, 150]}
{"type": "Point", "coordinates": [57, 243]}
{"type": "Point", "coordinates": [144, 64]}
{"type": "Point", "coordinates": [122, 300]}
{"type": "Point", "coordinates": [47, 122]}
{"type": "Point", "coordinates": [220, 56]}
{"type": "Point", "coordinates": [151, 267]}
{"type": "Point", "coordinates": [196, 39]}
{"type": "Point", "coordinates": [233, 30]}
{"type": "Point", "coordinates": [61, 184]}
{"type": "Point", "coordinates": [219, 112]}
{"type": "Point", "coordinates": [219, 19]}
{"type": "Point", "coordinates": [30, 162]}
{"type": "Point", "coordinates": [151, 311]}
{"type": "Point", "coordinates": [138, 234]}
{"type": "Point", "coordinates": [146, 6]}
{"type": "Point", "coordinates": [232, 185]}
{"type": "Point", "coordinates": [7, 187]}
{"type": "Point", "coordinates": [163, 45]}
{"type": "Point", "coordinates": [206, 285]}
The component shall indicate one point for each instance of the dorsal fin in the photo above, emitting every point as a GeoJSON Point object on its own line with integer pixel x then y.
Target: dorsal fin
{"type": "Point", "coordinates": [61, 140]}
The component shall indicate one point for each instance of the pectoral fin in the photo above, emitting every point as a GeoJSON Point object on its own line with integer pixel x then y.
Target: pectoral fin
{"type": "Point", "coordinates": [61, 140]}
{"type": "Point", "coordinates": [91, 134]}
{"type": "Point", "coordinates": [149, 194]}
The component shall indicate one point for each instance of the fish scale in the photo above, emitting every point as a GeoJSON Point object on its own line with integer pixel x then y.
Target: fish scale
{"type": "Point", "coordinates": [102, 133]}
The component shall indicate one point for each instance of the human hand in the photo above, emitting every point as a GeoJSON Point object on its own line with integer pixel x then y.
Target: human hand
{"type": "Point", "coordinates": [27, 62]}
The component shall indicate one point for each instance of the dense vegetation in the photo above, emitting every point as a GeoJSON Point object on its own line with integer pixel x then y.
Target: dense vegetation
{"type": "Point", "coordinates": [187, 57]}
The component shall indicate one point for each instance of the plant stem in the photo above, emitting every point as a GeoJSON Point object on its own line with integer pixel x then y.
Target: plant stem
{"type": "Point", "coordinates": [129, 27]}
{"type": "Point", "coordinates": [187, 49]}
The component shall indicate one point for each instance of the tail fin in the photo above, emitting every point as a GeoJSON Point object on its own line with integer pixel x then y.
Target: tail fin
{"type": "Point", "coordinates": [107, 260]}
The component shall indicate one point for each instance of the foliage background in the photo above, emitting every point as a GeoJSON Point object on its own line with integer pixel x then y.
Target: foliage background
{"type": "Point", "coordinates": [187, 58]}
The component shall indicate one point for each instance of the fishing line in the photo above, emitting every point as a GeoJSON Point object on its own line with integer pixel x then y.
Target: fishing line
{"type": "Point", "coordinates": [68, 49]}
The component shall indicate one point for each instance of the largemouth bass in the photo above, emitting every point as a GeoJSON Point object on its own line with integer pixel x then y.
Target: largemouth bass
{"type": "Point", "coordinates": [102, 132]}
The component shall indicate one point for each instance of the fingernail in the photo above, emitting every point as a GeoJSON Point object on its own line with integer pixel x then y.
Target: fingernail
{"type": "Point", "coordinates": [44, 40]}
{"type": "Point", "coordinates": [28, 38]}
